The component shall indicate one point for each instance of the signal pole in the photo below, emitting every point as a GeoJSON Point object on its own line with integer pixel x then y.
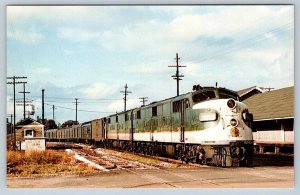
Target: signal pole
{"type": "Point", "coordinates": [177, 77]}
{"type": "Point", "coordinates": [24, 92]}
{"type": "Point", "coordinates": [14, 86]}
{"type": "Point", "coordinates": [143, 100]}
{"type": "Point", "coordinates": [125, 95]}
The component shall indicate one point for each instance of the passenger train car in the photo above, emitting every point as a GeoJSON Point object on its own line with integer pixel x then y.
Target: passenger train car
{"type": "Point", "coordinates": [209, 125]}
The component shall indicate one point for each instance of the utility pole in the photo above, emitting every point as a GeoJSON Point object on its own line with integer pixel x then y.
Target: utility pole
{"type": "Point", "coordinates": [24, 102]}
{"type": "Point", "coordinates": [43, 108]}
{"type": "Point", "coordinates": [143, 100]}
{"type": "Point", "coordinates": [268, 88]}
{"type": "Point", "coordinates": [9, 131]}
{"type": "Point", "coordinates": [53, 108]}
{"type": "Point", "coordinates": [14, 86]}
{"type": "Point", "coordinates": [11, 126]}
{"type": "Point", "coordinates": [177, 77]}
{"type": "Point", "coordinates": [125, 95]}
{"type": "Point", "coordinates": [76, 103]}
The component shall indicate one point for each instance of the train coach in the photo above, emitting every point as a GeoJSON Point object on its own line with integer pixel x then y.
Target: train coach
{"type": "Point", "coordinates": [209, 125]}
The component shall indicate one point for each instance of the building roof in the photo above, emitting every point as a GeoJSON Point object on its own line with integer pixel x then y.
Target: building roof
{"type": "Point", "coordinates": [248, 90]}
{"type": "Point", "coordinates": [27, 121]}
{"type": "Point", "coordinates": [274, 104]}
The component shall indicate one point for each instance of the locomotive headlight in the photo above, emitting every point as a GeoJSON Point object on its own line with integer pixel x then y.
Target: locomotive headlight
{"type": "Point", "coordinates": [233, 122]}
{"type": "Point", "coordinates": [231, 104]}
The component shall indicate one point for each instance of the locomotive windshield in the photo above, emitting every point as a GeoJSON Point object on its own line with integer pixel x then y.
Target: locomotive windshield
{"type": "Point", "coordinates": [212, 94]}
{"type": "Point", "coordinates": [199, 97]}
{"type": "Point", "coordinates": [224, 94]}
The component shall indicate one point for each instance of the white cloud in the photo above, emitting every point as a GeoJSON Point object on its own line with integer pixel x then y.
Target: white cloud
{"type": "Point", "coordinates": [99, 90]}
{"type": "Point", "coordinates": [118, 105]}
{"type": "Point", "coordinates": [27, 37]}
{"type": "Point", "coordinates": [149, 68]}
{"type": "Point", "coordinates": [77, 34]}
{"type": "Point", "coordinates": [40, 70]}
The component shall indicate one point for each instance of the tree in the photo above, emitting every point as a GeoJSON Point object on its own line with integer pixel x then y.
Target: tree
{"type": "Point", "coordinates": [49, 124]}
{"type": "Point", "coordinates": [69, 123]}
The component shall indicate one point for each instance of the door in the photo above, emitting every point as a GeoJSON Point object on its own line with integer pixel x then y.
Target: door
{"type": "Point", "coordinates": [182, 114]}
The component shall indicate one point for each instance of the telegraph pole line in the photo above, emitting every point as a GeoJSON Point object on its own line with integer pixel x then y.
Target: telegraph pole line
{"type": "Point", "coordinates": [11, 126]}
{"type": "Point", "coordinates": [53, 108]}
{"type": "Point", "coordinates": [24, 102]}
{"type": "Point", "coordinates": [125, 95]}
{"type": "Point", "coordinates": [43, 107]}
{"type": "Point", "coordinates": [14, 86]}
{"type": "Point", "coordinates": [143, 100]}
{"type": "Point", "coordinates": [76, 103]}
{"type": "Point", "coordinates": [177, 77]}
{"type": "Point", "coordinates": [268, 88]}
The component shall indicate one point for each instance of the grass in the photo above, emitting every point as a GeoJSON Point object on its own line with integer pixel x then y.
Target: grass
{"type": "Point", "coordinates": [20, 163]}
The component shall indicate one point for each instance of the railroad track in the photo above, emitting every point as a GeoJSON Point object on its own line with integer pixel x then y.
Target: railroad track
{"type": "Point", "coordinates": [111, 160]}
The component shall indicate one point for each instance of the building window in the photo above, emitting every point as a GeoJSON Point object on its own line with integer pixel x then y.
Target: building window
{"type": "Point", "coordinates": [154, 111]}
{"type": "Point", "coordinates": [117, 119]}
{"type": "Point", "coordinates": [176, 106]}
{"type": "Point", "coordinates": [28, 133]}
{"type": "Point", "coordinates": [138, 114]}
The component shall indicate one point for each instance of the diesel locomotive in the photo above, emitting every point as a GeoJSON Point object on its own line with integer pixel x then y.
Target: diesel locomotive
{"type": "Point", "coordinates": [208, 126]}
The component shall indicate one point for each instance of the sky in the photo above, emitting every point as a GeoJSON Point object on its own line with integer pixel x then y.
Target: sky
{"type": "Point", "coordinates": [91, 52]}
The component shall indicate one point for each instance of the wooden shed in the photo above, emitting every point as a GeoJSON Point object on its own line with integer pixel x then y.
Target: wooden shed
{"type": "Point", "coordinates": [30, 133]}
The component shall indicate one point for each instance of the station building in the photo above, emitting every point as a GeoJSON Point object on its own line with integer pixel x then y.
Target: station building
{"type": "Point", "coordinates": [30, 135]}
{"type": "Point", "coordinates": [273, 112]}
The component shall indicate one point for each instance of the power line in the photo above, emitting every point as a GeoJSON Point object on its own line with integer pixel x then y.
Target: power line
{"type": "Point", "coordinates": [258, 37]}
{"type": "Point", "coordinates": [70, 98]}
{"type": "Point", "coordinates": [67, 108]}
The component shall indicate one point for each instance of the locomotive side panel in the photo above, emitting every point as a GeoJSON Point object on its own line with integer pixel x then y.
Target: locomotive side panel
{"type": "Point", "coordinates": [113, 122]}
{"type": "Point", "coordinates": [142, 129]}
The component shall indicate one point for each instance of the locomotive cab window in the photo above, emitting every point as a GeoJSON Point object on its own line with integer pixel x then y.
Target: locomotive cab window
{"type": "Point", "coordinates": [199, 97]}
{"type": "Point", "coordinates": [228, 96]}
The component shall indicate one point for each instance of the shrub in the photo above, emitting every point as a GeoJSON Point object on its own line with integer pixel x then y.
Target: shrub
{"type": "Point", "coordinates": [38, 157]}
